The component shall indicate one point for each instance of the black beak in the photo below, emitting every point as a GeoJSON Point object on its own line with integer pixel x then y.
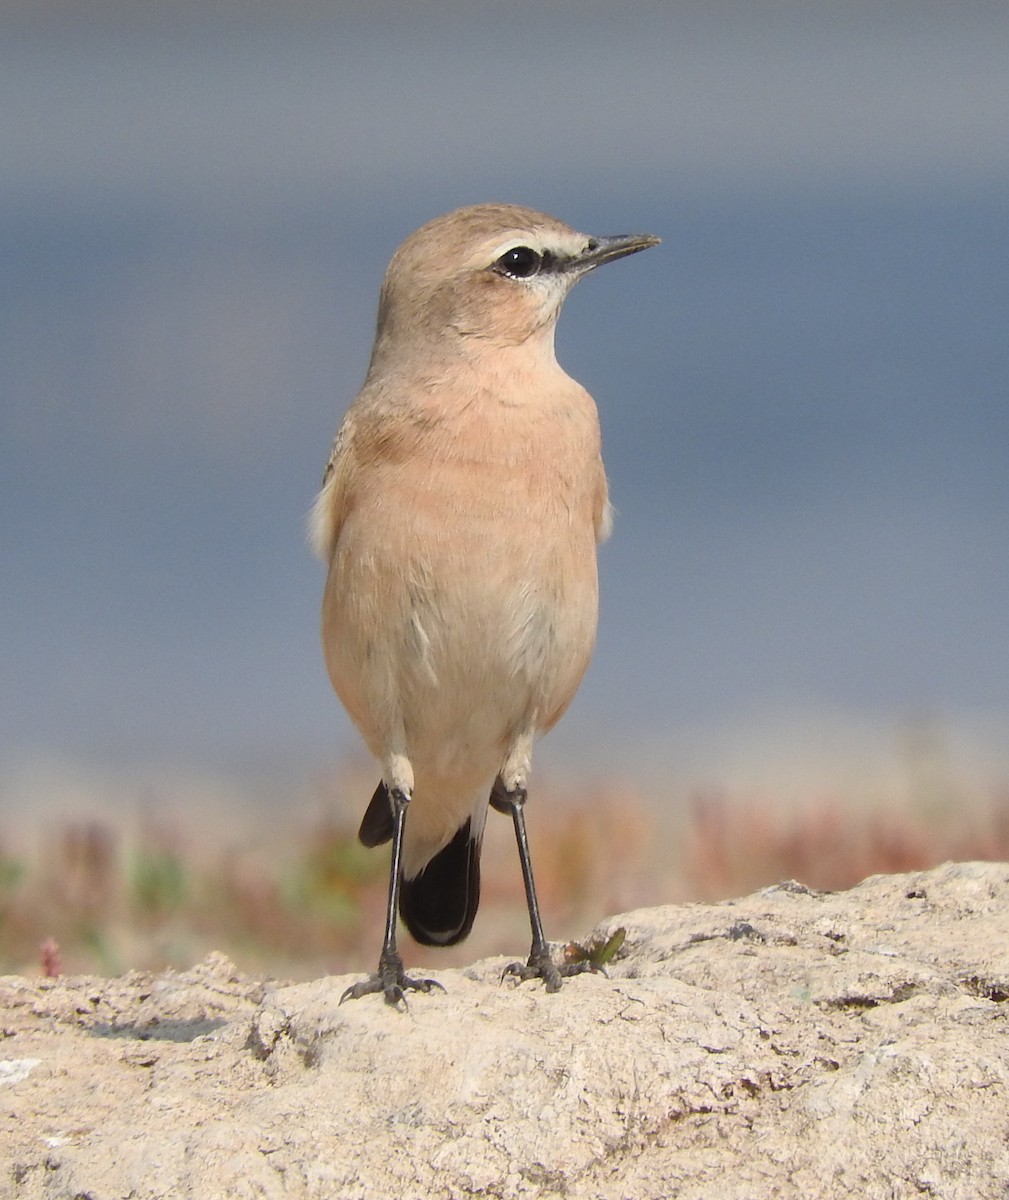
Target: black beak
{"type": "Point", "coordinates": [607, 249]}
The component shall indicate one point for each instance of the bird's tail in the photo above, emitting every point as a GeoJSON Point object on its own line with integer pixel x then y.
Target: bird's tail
{"type": "Point", "coordinates": [438, 904]}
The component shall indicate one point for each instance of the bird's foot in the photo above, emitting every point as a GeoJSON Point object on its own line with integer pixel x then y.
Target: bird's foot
{"type": "Point", "coordinates": [542, 966]}
{"type": "Point", "coordinates": [392, 981]}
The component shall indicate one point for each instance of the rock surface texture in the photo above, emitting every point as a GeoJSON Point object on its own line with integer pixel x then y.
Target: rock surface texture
{"type": "Point", "coordinates": [790, 1044]}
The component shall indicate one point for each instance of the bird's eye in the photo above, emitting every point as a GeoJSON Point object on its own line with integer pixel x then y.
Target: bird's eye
{"type": "Point", "coordinates": [520, 263]}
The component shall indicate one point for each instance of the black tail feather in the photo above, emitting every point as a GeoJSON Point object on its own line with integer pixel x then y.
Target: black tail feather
{"type": "Point", "coordinates": [376, 827]}
{"type": "Point", "coordinates": [439, 905]}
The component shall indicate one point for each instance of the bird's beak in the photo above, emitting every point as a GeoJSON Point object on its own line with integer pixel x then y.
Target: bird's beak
{"type": "Point", "coordinates": [606, 249]}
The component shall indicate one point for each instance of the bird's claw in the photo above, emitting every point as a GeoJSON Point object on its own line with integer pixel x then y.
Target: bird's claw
{"type": "Point", "coordinates": [542, 966]}
{"type": "Point", "coordinates": [392, 982]}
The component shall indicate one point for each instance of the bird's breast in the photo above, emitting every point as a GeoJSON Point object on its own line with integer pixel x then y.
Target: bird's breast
{"type": "Point", "coordinates": [463, 584]}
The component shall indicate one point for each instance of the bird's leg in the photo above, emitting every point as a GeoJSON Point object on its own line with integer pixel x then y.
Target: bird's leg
{"type": "Point", "coordinates": [391, 979]}
{"type": "Point", "coordinates": [540, 965]}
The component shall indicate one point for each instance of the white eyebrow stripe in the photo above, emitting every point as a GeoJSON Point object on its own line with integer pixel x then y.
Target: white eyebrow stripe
{"type": "Point", "coordinates": [513, 243]}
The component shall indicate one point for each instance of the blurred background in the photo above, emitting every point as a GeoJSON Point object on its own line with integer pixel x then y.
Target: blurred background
{"type": "Point", "coordinates": [803, 653]}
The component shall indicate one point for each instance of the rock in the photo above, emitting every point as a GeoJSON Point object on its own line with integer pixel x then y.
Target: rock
{"type": "Point", "coordinates": [789, 1044]}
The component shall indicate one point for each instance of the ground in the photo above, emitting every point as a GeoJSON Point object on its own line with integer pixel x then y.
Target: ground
{"type": "Point", "coordinates": [789, 1044]}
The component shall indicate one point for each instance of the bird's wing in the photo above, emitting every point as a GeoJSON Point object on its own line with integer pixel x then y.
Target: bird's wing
{"type": "Point", "coordinates": [602, 509]}
{"type": "Point", "coordinates": [329, 509]}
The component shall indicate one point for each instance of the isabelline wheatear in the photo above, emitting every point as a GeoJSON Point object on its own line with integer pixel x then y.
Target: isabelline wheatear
{"type": "Point", "coordinates": [459, 517]}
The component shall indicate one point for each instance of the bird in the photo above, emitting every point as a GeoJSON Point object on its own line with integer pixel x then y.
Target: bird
{"type": "Point", "coordinates": [459, 517]}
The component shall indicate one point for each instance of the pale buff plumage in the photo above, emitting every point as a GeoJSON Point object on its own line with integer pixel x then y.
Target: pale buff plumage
{"type": "Point", "coordinates": [459, 517]}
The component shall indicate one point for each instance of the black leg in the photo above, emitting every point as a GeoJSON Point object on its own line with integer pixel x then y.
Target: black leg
{"type": "Point", "coordinates": [540, 964]}
{"type": "Point", "coordinates": [390, 979]}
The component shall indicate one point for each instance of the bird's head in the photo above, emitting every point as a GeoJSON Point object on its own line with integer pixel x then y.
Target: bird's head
{"type": "Point", "coordinates": [488, 275]}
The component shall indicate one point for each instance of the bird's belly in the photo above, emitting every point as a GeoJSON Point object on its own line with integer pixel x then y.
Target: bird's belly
{"type": "Point", "coordinates": [476, 676]}
{"type": "Point", "coordinates": [462, 643]}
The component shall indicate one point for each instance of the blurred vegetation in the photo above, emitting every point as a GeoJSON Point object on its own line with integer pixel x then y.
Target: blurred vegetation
{"type": "Point", "coordinates": [308, 899]}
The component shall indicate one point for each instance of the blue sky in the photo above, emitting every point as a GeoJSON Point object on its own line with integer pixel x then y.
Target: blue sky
{"type": "Point", "coordinates": [803, 391]}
